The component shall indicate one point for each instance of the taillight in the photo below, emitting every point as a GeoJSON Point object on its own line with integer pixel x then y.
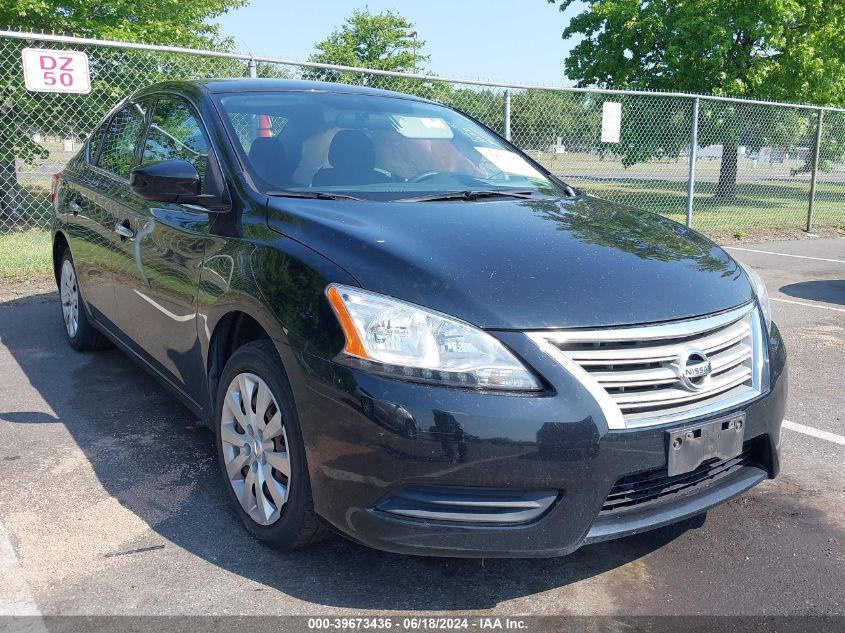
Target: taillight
{"type": "Point", "coordinates": [54, 190]}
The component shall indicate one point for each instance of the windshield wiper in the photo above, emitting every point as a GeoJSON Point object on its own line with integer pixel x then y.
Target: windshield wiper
{"type": "Point", "coordinates": [319, 195]}
{"type": "Point", "coordinates": [472, 195]}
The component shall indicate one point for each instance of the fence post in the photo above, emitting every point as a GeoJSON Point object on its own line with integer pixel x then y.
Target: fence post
{"type": "Point", "coordinates": [816, 151]}
{"type": "Point", "coordinates": [253, 68]}
{"type": "Point", "coordinates": [508, 114]}
{"type": "Point", "coordinates": [693, 156]}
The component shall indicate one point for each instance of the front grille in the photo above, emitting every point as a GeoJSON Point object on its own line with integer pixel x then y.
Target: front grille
{"type": "Point", "coordinates": [640, 368]}
{"type": "Point", "coordinates": [638, 491]}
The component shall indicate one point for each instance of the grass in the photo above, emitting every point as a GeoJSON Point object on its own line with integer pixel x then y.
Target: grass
{"type": "Point", "coordinates": [768, 197]}
{"type": "Point", "coordinates": [758, 205]}
{"type": "Point", "coordinates": [584, 162]}
{"type": "Point", "coordinates": [25, 250]}
{"type": "Point", "coordinates": [25, 255]}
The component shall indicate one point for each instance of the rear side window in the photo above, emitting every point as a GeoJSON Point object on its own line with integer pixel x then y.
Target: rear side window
{"type": "Point", "coordinates": [119, 151]}
{"type": "Point", "coordinates": [176, 133]}
{"type": "Point", "coordinates": [249, 127]}
{"type": "Point", "coordinates": [95, 142]}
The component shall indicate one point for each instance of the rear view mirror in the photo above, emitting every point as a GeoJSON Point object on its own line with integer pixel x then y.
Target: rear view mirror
{"type": "Point", "coordinates": [172, 181]}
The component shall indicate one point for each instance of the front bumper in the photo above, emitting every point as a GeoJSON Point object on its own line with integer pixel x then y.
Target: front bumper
{"type": "Point", "coordinates": [369, 440]}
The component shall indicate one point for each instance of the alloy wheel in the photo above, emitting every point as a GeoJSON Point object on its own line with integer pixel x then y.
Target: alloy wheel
{"type": "Point", "coordinates": [69, 292]}
{"type": "Point", "coordinates": [255, 448]}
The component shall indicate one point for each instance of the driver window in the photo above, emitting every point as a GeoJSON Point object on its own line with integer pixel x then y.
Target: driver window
{"type": "Point", "coordinates": [119, 150]}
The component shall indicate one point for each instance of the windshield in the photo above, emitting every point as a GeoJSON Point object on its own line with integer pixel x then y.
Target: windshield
{"type": "Point", "coordinates": [372, 147]}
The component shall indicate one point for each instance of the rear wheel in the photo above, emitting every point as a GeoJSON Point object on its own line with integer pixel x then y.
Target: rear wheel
{"type": "Point", "coordinates": [81, 335]}
{"type": "Point", "coordinates": [261, 452]}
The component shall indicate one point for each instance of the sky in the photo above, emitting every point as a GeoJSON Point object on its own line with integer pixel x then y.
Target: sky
{"type": "Point", "coordinates": [517, 41]}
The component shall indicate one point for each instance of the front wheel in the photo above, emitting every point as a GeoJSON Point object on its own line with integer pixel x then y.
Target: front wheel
{"type": "Point", "coordinates": [261, 451]}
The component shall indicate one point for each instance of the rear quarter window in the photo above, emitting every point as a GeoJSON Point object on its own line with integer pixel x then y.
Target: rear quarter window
{"type": "Point", "coordinates": [94, 143]}
{"type": "Point", "coordinates": [248, 127]}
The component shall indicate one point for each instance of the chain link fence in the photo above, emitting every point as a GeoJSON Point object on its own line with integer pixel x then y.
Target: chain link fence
{"type": "Point", "coordinates": [728, 167]}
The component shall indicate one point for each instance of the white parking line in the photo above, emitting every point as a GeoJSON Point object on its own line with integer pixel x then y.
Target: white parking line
{"type": "Point", "coordinates": [753, 250]}
{"type": "Point", "coordinates": [15, 596]}
{"type": "Point", "coordinates": [805, 304]}
{"type": "Point", "coordinates": [809, 430]}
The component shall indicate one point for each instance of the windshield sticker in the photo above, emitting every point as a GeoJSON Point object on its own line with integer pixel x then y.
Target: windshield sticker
{"type": "Point", "coordinates": [421, 127]}
{"type": "Point", "coordinates": [508, 162]}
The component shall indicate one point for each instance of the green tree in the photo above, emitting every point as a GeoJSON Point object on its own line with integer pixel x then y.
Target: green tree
{"type": "Point", "coordinates": [483, 104]}
{"type": "Point", "coordinates": [174, 22]}
{"type": "Point", "coordinates": [114, 72]}
{"type": "Point", "coordinates": [387, 41]}
{"type": "Point", "coordinates": [540, 117]}
{"type": "Point", "coordinates": [792, 50]}
{"type": "Point", "coordinates": [382, 41]}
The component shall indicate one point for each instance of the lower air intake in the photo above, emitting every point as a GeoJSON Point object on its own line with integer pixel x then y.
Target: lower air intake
{"type": "Point", "coordinates": [638, 491]}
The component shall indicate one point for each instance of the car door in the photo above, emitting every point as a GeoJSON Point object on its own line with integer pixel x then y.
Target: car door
{"type": "Point", "coordinates": [97, 187]}
{"type": "Point", "coordinates": [158, 301]}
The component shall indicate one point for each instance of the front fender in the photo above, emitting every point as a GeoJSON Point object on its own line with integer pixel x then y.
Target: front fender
{"type": "Point", "coordinates": [281, 285]}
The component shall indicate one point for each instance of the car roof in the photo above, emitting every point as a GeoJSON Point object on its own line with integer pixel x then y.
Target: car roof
{"type": "Point", "coordinates": [216, 86]}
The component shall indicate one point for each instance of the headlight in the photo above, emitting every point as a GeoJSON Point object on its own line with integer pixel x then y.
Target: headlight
{"type": "Point", "coordinates": [761, 292]}
{"type": "Point", "coordinates": [402, 340]}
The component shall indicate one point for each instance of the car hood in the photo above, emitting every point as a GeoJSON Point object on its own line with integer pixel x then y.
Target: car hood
{"type": "Point", "coordinates": [521, 264]}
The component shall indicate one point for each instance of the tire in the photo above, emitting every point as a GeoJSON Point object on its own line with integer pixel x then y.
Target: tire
{"type": "Point", "coordinates": [258, 449]}
{"type": "Point", "coordinates": [81, 334]}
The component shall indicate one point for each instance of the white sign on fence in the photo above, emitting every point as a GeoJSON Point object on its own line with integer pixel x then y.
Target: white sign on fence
{"type": "Point", "coordinates": [47, 70]}
{"type": "Point", "coordinates": [611, 121]}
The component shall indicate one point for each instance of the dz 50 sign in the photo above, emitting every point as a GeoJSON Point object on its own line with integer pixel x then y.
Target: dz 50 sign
{"type": "Point", "coordinates": [56, 71]}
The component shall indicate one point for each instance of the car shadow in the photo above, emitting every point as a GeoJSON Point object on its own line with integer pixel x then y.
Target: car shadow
{"type": "Point", "coordinates": [153, 456]}
{"type": "Point", "coordinates": [824, 290]}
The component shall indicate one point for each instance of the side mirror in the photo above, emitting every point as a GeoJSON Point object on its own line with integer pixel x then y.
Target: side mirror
{"type": "Point", "coordinates": [172, 181]}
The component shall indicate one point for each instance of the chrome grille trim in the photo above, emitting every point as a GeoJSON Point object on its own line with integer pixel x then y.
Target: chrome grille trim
{"type": "Point", "coordinates": [632, 372]}
{"type": "Point", "coordinates": [718, 340]}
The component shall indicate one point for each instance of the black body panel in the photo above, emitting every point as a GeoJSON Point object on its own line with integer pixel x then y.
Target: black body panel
{"type": "Point", "coordinates": [174, 295]}
{"type": "Point", "coordinates": [526, 264]}
{"type": "Point", "coordinates": [556, 441]}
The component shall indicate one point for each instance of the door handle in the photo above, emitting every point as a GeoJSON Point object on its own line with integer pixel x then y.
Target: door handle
{"type": "Point", "coordinates": [124, 230]}
{"type": "Point", "coordinates": [75, 207]}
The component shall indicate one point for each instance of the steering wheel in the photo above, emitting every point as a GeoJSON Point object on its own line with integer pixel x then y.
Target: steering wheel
{"type": "Point", "coordinates": [423, 176]}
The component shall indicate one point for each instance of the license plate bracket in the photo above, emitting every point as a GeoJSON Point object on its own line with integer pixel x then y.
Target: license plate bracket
{"type": "Point", "coordinates": [688, 448]}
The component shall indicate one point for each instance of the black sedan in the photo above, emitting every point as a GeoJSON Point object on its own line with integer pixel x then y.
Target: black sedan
{"type": "Point", "coordinates": [402, 328]}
